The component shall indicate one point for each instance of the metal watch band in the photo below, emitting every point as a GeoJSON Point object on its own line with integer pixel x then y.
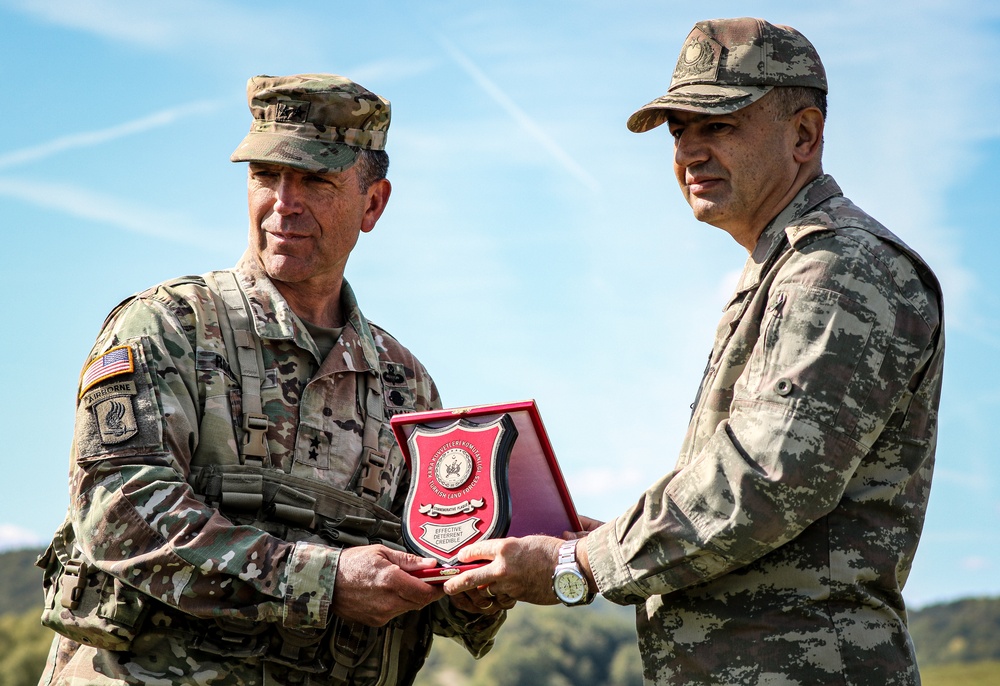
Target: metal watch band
{"type": "Point", "coordinates": [568, 566]}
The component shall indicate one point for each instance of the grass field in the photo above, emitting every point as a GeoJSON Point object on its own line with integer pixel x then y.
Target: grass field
{"type": "Point", "coordinates": [962, 674]}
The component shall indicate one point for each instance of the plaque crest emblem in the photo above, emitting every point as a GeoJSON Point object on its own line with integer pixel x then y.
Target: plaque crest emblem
{"type": "Point", "coordinates": [459, 490]}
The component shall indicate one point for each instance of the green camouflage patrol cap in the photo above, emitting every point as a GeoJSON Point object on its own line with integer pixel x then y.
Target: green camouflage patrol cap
{"type": "Point", "coordinates": [314, 122]}
{"type": "Point", "coordinates": [727, 64]}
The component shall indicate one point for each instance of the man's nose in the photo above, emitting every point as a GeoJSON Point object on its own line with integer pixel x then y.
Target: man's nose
{"type": "Point", "coordinates": [287, 195]}
{"type": "Point", "coordinates": [689, 149]}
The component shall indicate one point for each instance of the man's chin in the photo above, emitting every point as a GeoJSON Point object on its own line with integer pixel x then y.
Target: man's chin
{"type": "Point", "coordinates": [285, 268]}
{"type": "Point", "coordinates": [706, 211]}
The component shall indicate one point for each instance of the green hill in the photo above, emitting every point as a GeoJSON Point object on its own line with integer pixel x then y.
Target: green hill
{"type": "Point", "coordinates": [961, 631]}
{"type": "Point", "coordinates": [22, 581]}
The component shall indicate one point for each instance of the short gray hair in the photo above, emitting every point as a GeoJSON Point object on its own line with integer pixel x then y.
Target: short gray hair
{"type": "Point", "coordinates": [373, 165]}
{"type": "Point", "coordinates": [787, 100]}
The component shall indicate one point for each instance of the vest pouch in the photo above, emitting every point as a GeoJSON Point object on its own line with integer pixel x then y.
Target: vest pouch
{"type": "Point", "coordinates": [85, 604]}
{"type": "Point", "coordinates": [389, 655]}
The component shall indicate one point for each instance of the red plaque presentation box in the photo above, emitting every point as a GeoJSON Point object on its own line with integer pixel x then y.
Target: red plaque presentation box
{"type": "Point", "coordinates": [475, 473]}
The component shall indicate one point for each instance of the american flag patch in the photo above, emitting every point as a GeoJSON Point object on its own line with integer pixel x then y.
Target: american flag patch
{"type": "Point", "coordinates": [112, 363]}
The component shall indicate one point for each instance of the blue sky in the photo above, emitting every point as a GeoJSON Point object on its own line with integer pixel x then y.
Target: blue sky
{"type": "Point", "coordinates": [533, 247]}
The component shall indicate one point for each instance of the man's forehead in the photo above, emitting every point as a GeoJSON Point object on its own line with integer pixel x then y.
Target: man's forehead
{"type": "Point", "coordinates": [686, 117]}
{"type": "Point", "coordinates": [284, 168]}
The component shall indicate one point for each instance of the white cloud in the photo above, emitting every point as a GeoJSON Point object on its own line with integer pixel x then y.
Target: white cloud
{"type": "Point", "coordinates": [206, 24]}
{"type": "Point", "coordinates": [14, 537]}
{"type": "Point", "coordinates": [121, 214]}
{"type": "Point", "coordinates": [976, 564]}
{"type": "Point", "coordinates": [87, 139]}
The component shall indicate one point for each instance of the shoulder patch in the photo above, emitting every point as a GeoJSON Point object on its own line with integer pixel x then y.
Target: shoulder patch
{"type": "Point", "coordinates": [115, 414]}
{"type": "Point", "coordinates": [117, 361]}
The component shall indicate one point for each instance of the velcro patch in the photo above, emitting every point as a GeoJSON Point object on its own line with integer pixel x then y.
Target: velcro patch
{"type": "Point", "coordinates": [112, 405]}
{"type": "Point", "coordinates": [114, 362]}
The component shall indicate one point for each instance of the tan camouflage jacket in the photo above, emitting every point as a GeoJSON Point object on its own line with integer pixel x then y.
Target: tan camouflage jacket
{"type": "Point", "coordinates": [146, 426]}
{"type": "Point", "coordinates": [777, 548]}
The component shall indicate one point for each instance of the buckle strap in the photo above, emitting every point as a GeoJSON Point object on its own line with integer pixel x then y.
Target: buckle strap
{"type": "Point", "coordinates": [373, 480]}
{"type": "Point", "coordinates": [255, 446]}
{"type": "Point", "coordinates": [75, 582]}
{"type": "Point", "coordinates": [239, 337]}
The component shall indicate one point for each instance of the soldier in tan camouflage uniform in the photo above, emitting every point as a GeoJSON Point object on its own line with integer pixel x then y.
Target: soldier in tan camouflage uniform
{"type": "Point", "coordinates": [234, 481]}
{"type": "Point", "coordinates": [776, 550]}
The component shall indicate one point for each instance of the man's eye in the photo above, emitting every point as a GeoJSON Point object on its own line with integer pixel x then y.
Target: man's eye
{"type": "Point", "coordinates": [718, 127]}
{"type": "Point", "coordinates": [676, 133]}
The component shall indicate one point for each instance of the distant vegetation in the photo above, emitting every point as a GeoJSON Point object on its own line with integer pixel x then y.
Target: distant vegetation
{"type": "Point", "coordinates": [21, 589]}
{"type": "Point", "coordinates": [24, 644]}
{"type": "Point", "coordinates": [962, 631]}
{"type": "Point", "coordinates": [958, 643]}
{"type": "Point", "coordinates": [547, 646]}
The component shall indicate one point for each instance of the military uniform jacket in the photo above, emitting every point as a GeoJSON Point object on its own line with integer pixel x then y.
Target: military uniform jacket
{"type": "Point", "coordinates": [776, 550]}
{"type": "Point", "coordinates": [159, 401]}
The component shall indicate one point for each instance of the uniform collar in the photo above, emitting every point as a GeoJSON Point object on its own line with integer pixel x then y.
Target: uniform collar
{"type": "Point", "coordinates": [274, 319]}
{"type": "Point", "coordinates": [773, 239]}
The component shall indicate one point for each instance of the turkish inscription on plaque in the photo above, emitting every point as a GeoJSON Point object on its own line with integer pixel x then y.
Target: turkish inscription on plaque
{"type": "Point", "coordinates": [459, 490]}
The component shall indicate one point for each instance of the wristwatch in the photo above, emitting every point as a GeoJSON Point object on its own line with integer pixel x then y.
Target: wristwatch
{"type": "Point", "coordinates": [568, 582]}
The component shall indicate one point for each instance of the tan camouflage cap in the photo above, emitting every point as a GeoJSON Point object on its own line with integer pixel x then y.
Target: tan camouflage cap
{"type": "Point", "coordinates": [727, 64]}
{"type": "Point", "coordinates": [314, 122]}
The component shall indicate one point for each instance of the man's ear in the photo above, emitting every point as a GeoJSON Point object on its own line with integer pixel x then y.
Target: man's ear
{"type": "Point", "coordinates": [378, 198]}
{"type": "Point", "coordinates": [809, 124]}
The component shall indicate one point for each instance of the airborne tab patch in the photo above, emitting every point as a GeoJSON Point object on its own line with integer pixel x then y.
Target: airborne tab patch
{"type": "Point", "coordinates": [112, 363]}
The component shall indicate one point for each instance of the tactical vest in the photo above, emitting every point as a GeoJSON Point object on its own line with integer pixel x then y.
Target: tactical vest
{"type": "Point", "coordinates": [94, 608]}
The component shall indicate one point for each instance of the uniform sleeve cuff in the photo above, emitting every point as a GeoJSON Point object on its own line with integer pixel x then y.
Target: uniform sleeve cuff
{"type": "Point", "coordinates": [611, 572]}
{"type": "Point", "coordinates": [309, 580]}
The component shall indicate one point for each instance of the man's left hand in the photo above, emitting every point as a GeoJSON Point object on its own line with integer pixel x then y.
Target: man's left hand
{"type": "Point", "coordinates": [518, 569]}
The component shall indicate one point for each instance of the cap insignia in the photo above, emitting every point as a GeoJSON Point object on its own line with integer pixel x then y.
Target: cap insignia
{"type": "Point", "coordinates": [291, 111]}
{"type": "Point", "coordinates": [698, 61]}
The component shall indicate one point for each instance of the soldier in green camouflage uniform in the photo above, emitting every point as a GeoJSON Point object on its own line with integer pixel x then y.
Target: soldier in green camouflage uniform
{"type": "Point", "coordinates": [234, 480]}
{"type": "Point", "coordinates": [776, 550]}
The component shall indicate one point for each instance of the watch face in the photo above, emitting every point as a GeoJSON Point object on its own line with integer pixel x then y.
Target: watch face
{"type": "Point", "coordinates": [570, 587]}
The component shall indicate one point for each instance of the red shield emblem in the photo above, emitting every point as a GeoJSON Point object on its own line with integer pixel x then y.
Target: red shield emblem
{"type": "Point", "coordinates": [459, 491]}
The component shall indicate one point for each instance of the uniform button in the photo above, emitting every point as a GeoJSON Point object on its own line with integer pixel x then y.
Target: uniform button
{"type": "Point", "coordinates": [783, 387]}
{"type": "Point", "coordinates": [327, 412]}
{"type": "Point", "coordinates": [633, 599]}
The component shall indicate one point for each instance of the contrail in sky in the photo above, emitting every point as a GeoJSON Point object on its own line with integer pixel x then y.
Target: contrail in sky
{"type": "Point", "coordinates": [91, 138]}
{"type": "Point", "coordinates": [519, 115]}
{"type": "Point", "coordinates": [105, 209]}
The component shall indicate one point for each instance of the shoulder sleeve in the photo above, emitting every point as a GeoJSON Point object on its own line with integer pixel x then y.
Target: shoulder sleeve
{"type": "Point", "coordinates": [840, 339]}
{"type": "Point", "coordinates": [138, 423]}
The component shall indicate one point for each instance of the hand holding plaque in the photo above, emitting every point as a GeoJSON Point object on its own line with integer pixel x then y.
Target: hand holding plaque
{"type": "Point", "coordinates": [477, 473]}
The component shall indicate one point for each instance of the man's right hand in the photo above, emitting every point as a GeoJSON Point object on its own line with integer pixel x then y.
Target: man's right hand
{"type": "Point", "coordinates": [374, 584]}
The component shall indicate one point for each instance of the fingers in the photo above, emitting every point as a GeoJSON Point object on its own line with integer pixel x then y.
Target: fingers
{"type": "Point", "coordinates": [481, 550]}
{"type": "Point", "coordinates": [479, 577]}
{"type": "Point", "coordinates": [408, 562]}
{"type": "Point", "coordinates": [520, 568]}
{"type": "Point", "coordinates": [477, 601]}
{"type": "Point", "coordinates": [588, 524]}
{"type": "Point", "coordinates": [372, 586]}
